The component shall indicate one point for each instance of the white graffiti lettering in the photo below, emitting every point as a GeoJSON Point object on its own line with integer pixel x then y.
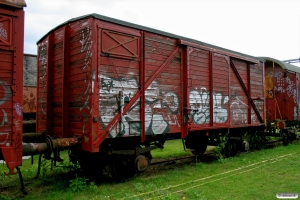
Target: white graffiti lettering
{"type": "Point", "coordinates": [284, 85]}
{"type": "Point", "coordinates": [18, 109]}
{"type": "Point", "coordinates": [3, 33]}
{"type": "Point", "coordinates": [219, 108]}
{"type": "Point", "coordinates": [3, 140]}
{"type": "Point", "coordinates": [6, 92]}
{"type": "Point", "coordinates": [238, 110]}
{"type": "Point", "coordinates": [43, 57]}
{"type": "Point", "coordinates": [161, 108]}
{"type": "Point", "coordinates": [86, 45]}
{"type": "Point", "coordinates": [173, 121]}
{"type": "Point", "coordinates": [259, 106]}
{"type": "Point", "coordinates": [18, 124]}
{"type": "Point", "coordinates": [199, 102]}
{"type": "Point", "coordinates": [291, 89]}
{"type": "Point", "coordinates": [5, 119]}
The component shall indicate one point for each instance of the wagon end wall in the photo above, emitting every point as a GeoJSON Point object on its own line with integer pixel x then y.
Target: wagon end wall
{"type": "Point", "coordinates": [11, 83]}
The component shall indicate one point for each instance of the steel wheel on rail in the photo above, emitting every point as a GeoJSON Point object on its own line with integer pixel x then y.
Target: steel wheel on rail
{"type": "Point", "coordinates": [91, 164]}
{"type": "Point", "coordinates": [142, 162]}
{"type": "Point", "coordinates": [122, 167]}
{"type": "Point", "coordinates": [197, 144]}
{"type": "Point", "coordinates": [231, 148]}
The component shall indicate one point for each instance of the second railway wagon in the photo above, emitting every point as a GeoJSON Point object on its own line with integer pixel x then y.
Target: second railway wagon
{"type": "Point", "coordinates": [117, 90]}
{"type": "Point", "coordinates": [282, 99]}
{"type": "Point", "coordinates": [29, 93]}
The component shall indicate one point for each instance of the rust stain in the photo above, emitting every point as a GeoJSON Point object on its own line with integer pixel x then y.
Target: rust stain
{"type": "Point", "coordinates": [29, 99]}
{"type": "Point", "coordinates": [269, 86]}
{"type": "Point", "coordinates": [66, 142]}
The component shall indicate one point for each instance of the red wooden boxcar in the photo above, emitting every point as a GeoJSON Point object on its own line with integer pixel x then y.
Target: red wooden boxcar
{"type": "Point", "coordinates": [29, 93]}
{"type": "Point", "coordinates": [29, 83]}
{"type": "Point", "coordinates": [11, 81]}
{"type": "Point", "coordinates": [282, 94]}
{"type": "Point", "coordinates": [116, 85]}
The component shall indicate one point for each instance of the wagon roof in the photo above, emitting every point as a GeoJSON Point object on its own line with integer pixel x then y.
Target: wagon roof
{"type": "Point", "coordinates": [284, 65]}
{"type": "Point", "coordinates": [14, 3]}
{"type": "Point", "coordinates": [144, 28]}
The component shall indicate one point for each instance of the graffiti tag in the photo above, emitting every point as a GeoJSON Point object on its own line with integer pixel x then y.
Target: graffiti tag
{"type": "Point", "coordinates": [3, 33]}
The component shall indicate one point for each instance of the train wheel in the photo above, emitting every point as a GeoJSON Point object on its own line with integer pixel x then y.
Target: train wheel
{"type": "Point", "coordinates": [198, 145]}
{"type": "Point", "coordinates": [231, 148]}
{"type": "Point", "coordinates": [122, 167]}
{"type": "Point", "coordinates": [292, 136]}
{"type": "Point", "coordinates": [142, 162]}
{"type": "Point", "coordinates": [199, 150]}
{"type": "Point", "coordinates": [92, 165]}
{"type": "Point", "coordinates": [285, 137]}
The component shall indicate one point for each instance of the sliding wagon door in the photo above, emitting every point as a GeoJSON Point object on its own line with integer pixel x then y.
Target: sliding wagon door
{"type": "Point", "coordinates": [119, 76]}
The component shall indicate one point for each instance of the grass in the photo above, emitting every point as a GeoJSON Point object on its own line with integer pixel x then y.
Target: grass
{"type": "Point", "coordinates": [252, 175]}
{"type": "Point", "coordinates": [173, 148]}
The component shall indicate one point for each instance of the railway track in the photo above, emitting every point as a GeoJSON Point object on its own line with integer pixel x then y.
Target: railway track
{"type": "Point", "coordinates": [198, 158]}
{"type": "Point", "coordinates": [181, 187]}
{"type": "Point", "coordinates": [169, 163]}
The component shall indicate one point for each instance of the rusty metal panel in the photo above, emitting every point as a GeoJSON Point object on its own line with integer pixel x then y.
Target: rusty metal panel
{"type": "Point", "coordinates": [281, 93]}
{"type": "Point", "coordinates": [30, 70]}
{"type": "Point", "coordinates": [11, 85]}
{"type": "Point", "coordinates": [29, 99]}
{"type": "Point", "coordinates": [14, 3]}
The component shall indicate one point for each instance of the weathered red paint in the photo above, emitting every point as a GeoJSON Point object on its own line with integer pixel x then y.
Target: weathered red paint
{"type": "Point", "coordinates": [142, 80]}
{"type": "Point", "coordinates": [281, 93]}
{"type": "Point", "coordinates": [112, 80]}
{"type": "Point", "coordinates": [11, 84]}
{"type": "Point", "coordinates": [29, 99]}
{"type": "Point", "coordinates": [250, 101]}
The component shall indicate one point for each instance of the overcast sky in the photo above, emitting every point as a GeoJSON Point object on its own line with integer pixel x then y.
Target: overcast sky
{"type": "Point", "coordinates": [255, 27]}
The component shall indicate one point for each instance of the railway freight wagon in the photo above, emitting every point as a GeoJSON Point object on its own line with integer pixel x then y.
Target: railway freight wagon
{"type": "Point", "coordinates": [29, 92]}
{"type": "Point", "coordinates": [282, 98]}
{"type": "Point", "coordinates": [11, 81]}
{"type": "Point", "coordinates": [112, 91]}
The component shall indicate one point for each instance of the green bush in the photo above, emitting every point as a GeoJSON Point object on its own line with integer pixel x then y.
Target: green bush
{"type": "Point", "coordinates": [78, 184]}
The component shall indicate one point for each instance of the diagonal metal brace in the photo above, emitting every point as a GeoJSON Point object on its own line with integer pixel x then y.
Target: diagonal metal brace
{"type": "Point", "coordinates": [246, 92]}
{"type": "Point", "coordinates": [117, 117]}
